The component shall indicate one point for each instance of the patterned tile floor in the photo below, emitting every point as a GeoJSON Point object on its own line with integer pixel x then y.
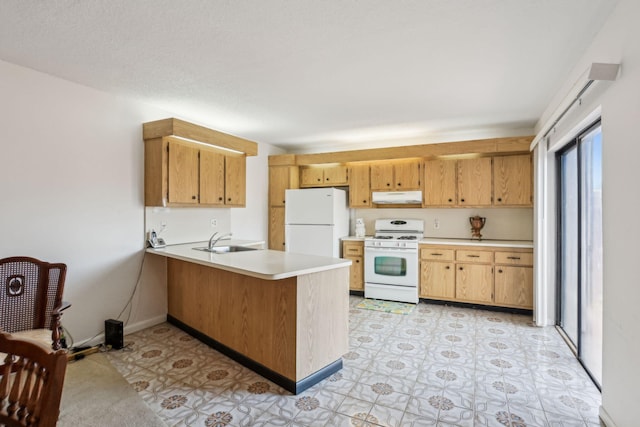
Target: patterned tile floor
{"type": "Point", "coordinates": [435, 366]}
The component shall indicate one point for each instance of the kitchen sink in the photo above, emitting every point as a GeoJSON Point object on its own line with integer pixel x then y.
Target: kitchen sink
{"type": "Point", "coordinates": [226, 249]}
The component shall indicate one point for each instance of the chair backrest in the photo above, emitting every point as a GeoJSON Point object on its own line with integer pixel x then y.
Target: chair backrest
{"type": "Point", "coordinates": [31, 381]}
{"type": "Point", "coordinates": [31, 289]}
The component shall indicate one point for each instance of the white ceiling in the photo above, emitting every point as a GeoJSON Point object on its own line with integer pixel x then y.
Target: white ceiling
{"type": "Point", "coordinates": [310, 75]}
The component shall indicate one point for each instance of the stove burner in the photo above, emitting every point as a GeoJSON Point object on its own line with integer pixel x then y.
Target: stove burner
{"type": "Point", "coordinates": [383, 237]}
{"type": "Point", "coordinates": [407, 238]}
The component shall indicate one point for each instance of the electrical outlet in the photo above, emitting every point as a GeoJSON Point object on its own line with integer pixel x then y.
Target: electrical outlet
{"type": "Point", "coordinates": [436, 223]}
{"type": "Point", "coordinates": [214, 222]}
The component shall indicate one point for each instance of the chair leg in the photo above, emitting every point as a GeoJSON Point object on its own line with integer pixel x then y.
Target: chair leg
{"type": "Point", "coordinates": [55, 330]}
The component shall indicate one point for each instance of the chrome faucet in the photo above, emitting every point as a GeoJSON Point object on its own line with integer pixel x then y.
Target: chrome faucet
{"type": "Point", "coordinates": [215, 238]}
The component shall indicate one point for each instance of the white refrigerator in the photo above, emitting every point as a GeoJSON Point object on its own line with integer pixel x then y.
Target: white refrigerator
{"type": "Point", "coordinates": [315, 220]}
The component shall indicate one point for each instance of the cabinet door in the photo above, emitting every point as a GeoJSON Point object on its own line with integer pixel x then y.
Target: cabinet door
{"type": "Point", "coordinates": [407, 175]}
{"type": "Point", "coordinates": [440, 183]}
{"type": "Point", "coordinates": [235, 188]}
{"type": "Point", "coordinates": [514, 286]}
{"type": "Point", "coordinates": [382, 177]}
{"type": "Point", "coordinates": [512, 181]}
{"type": "Point", "coordinates": [474, 182]}
{"type": "Point", "coordinates": [276, 228]}
{"type": "Point", "coordinates": [474, 282]}
{"type": "Point", "coordinates": [437, 280]}
{"type": "Point", "coordinates": [183, 174]}
{"type": "Point", "coordinates": [212, 178]}
{"type": "Point", "coordinates": [311, 177]}
{"type": "Point", "coordinates": [281, 178]}
{"type": "Point", "coordinates": [335, 175]}
{"type": "Point", "coordinates": [359, 187]}
{"type": "Point", "coordinates": [356, 278]}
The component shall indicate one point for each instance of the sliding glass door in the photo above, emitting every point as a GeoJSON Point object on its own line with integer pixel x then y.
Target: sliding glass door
{"type": "Point", "coordinates": [580, 247]}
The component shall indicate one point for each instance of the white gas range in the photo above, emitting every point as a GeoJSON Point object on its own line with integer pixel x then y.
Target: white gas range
{"type": "Point", "coordinates": [391, 260]}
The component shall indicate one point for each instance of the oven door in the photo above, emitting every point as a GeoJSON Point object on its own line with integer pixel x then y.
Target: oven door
{"type": "Point", "coordinates": [391, 266]}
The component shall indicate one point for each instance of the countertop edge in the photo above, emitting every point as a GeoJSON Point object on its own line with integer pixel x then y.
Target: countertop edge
{"type": "Point", "coordinates": [277, 276]}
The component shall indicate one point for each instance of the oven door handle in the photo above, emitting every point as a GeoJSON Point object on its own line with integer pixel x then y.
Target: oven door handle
{"type": "Point", "coordinates": [398, 250]}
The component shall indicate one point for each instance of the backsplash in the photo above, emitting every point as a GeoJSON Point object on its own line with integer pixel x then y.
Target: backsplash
{"type": "Point", "coordinates": [186, 225]}
{"type": "Point", "coordinates": [501, 224]}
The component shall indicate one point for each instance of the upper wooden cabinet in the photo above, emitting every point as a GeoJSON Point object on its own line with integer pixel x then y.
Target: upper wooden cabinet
{"type": "Point", "coordinates": [182, 164]}
{"type": "Point", "coordinates": [281, 178]}
{"type": "Point", "coordinates": [474, 182]}
{"type": "Point", "coordinates": [179, 173]}
{"type": "Point", "coordinates": [235, 181]}
{"type": "Point", "coordinates": [323, 176]}
{"type": "Point", "coordinates": [223, 179]}
{"type": "Point", "coordinates": [512, 180]}
{"type": "Point", "coordinates": [189, 165]}
{"type": "Point", "coordinates": [440, 183]}
{"type": "Point", "coordinates": [469, 182]}
{"type": "Point", "coordinates": [396, 175]}
{"type": "Point", "coordinates": [359, 186]}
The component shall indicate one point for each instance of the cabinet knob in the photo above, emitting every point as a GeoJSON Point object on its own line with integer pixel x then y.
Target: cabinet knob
{"type": "Point", "coordinates": [461, 268]}
{"type": "Point", "coordinates": [193, 197]}
{"type": "Point", "coordinates": [327, 179]}
{"type": "Point", "coordinates": [364, 201]}
{"type": "Point", "coordinates": [220, 198]}
{"type": "Point", "coordinates": [399, 184]}
{"type": "Point", "coordinates": [357, 261]}
{"type": "Point", "coordinates": [450, 200]}
{"type": "Point", "coordinates": [462, 200]}
{"type": "Point", "coordinates": [229, 199]}
{"type": "Point", "coordinates": [318, 179]}
{"type": "Point", "coordinates": [499, 271]}
{"type": "Point", "coordinates": [447, 267]}
{"type": "Point", "coordinates": [499, 199]}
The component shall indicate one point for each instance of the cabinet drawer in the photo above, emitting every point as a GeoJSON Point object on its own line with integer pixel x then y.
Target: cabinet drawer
{"type": "Point", "coordinates": [436, 254]}
{"type": "Point", "coordinates": [352, 249]}
{"type": "Point", "coordinates": [474, 256]}
{"type": "Point", "coordinates": [514, 258]}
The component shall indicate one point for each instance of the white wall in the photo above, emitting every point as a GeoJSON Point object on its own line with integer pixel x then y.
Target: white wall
{"type": "Point", "coordinates": [501, 223]}
{"type": "Point", "coordinates": [71, 181]}
{"type": "Point", "coordinates": [619, 101]}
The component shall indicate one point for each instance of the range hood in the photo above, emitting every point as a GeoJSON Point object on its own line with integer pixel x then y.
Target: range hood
{"type": "Point", "coordinates": [396, 197]}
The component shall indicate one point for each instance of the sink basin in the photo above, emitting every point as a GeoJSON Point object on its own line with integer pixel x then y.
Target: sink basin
{"type": "Point", "coordinates": [226, 249]}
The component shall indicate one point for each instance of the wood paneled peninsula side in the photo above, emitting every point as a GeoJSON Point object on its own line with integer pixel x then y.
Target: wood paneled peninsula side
{"type": "Point", "coordinates": [281, 314]}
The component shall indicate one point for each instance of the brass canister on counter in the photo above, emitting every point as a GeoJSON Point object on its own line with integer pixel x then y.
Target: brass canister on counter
{"type": "Point", "coordinates": [477, 222]}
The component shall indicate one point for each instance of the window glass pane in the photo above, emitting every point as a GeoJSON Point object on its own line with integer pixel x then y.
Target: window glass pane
{"type": "Point", "coordinates": [569, 244]}
{"type": "Point", "coordinates": [591, 252]}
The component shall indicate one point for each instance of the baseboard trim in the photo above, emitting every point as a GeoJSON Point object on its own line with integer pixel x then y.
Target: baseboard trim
{"type": "Point", "coordinates": [138, 326]}
{"type": "Point", "coordinates": [605, 418]}
{"type": "Point", "coordinates": [130, 329]}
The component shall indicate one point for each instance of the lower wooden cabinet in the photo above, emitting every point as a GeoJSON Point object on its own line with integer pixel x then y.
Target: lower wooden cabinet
{"type": "Point", "coordinates": [490, 275]}
{"type": "Point", "coordinates": [437, 280]}
{"type": "Point", "coordinates": [474, 283]}
{"type": "Point", "coordinates": [354, 250]}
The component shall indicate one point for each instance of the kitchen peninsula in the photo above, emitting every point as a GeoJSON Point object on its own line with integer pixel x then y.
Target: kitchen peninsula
{"type": "Point", "coordinates": [283, 315]}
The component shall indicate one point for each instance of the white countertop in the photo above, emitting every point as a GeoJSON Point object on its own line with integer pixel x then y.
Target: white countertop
{"type": "Point", "coordinates": [528, 244]}
{"type": "Point", "coordinates": [263, 264]}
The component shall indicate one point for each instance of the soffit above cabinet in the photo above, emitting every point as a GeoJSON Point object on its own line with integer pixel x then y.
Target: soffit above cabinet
{"type": "Point", "coordinates": [198, 134]}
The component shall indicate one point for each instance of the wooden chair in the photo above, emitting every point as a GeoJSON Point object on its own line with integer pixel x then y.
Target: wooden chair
{"type": "Point", "coordinates": [31, 298]}
{"type": "Point", "coordinates": [31, 382]}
